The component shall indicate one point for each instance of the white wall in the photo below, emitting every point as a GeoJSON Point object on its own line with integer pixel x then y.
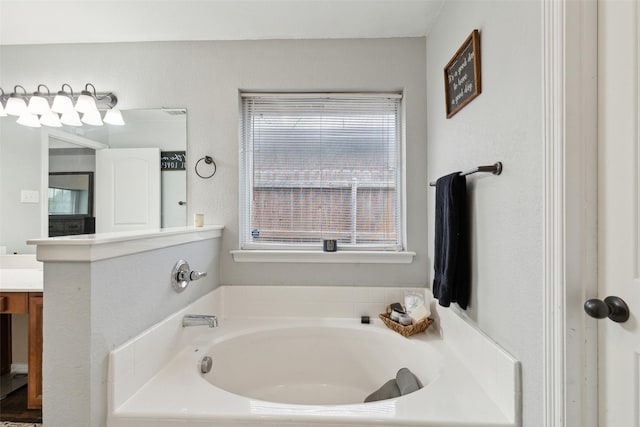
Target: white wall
{"type": "Point", "coordinates": [502, 124]}
{"type": "Point", "coordinates": [204, 78]}
{"type": "Point", "coordinates": [72, 160]}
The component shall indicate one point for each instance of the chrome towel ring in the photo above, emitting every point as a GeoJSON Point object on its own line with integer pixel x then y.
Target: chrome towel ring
{"type": "Point", "coordinates": [208, 160]}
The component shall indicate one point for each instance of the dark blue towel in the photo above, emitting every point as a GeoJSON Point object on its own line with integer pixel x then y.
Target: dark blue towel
{"type": "Point", "coordinates": [451, 281]}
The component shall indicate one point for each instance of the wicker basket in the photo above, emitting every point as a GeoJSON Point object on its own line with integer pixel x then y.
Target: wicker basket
{"type": "Point", "coordinates": [405, 331]}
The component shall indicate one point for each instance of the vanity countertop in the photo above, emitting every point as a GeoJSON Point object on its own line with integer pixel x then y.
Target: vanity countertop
{"type": "Point", "coordinates": [21, 280]}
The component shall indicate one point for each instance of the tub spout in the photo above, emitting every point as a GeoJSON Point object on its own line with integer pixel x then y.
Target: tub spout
{"type": "Point", "coordinates": [199, 319]}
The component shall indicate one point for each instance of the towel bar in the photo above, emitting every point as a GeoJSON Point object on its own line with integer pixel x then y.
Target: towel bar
{"type": "Point", "coordinates": [495, 169]}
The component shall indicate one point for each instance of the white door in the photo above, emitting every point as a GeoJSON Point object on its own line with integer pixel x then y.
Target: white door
{"type": "Point", "coordinates": [127, 189]}
{"type": "Point", "coordinates": [619, 210]}
{"type": "Point", "coordinates": [174, 196]}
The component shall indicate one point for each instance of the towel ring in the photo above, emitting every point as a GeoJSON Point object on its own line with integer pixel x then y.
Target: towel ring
{"type": "Point", "coordinates": [209, 161]}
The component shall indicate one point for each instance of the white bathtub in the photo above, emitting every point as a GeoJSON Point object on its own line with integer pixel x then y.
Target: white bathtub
{"type": "Point", "coordinates": [295, 372]}
{"type": "Point", "coordinates": [328, 364]}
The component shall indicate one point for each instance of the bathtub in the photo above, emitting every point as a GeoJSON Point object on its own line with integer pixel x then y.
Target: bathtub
{"type": "Point", "coordinates": [316, 364]}
{"type": "Point", "coordinates": [295, 372]}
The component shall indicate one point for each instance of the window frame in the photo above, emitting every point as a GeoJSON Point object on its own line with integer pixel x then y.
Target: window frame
{"type": "Point", "coordinates": [291, 252]}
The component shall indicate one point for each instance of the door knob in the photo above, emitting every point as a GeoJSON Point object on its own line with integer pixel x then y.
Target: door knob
{"type": "Point", "coordinates": [612, 307]}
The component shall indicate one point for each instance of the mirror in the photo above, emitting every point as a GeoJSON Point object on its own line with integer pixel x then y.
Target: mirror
{"type": "Point", "coordinates": [70, 193]}
{"type": "Point", "coordinates": [70, 206]}
{"type": "Point", "coordinates": [28, 155]}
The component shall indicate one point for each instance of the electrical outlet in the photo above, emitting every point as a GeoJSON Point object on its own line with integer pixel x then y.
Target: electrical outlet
{"type": "Point", "coordinates": [29, 196]}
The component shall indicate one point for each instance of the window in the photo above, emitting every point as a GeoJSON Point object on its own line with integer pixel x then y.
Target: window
{"type": "Point", "coordinates": [321, 166]}
{"type": "Point", "coordinates": [64, 201]}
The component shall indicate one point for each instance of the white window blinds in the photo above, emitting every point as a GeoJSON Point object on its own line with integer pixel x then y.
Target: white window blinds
{"type": "Point", "coordinates": [318, 166]}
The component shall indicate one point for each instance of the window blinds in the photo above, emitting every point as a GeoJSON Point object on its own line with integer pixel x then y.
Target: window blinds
{"type": "Point", "coordinates": [318, 166]}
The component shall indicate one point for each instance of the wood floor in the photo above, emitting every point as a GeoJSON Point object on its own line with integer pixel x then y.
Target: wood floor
{"type": "Point", "coordinates": [14, 408]}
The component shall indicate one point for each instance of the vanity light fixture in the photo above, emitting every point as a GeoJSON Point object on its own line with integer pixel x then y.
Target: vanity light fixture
{"type": "Point", "coordinates": [114, 117]}
{"type": "Point", "coordinates": [29, 119]}
{"type": "Point", "coordinates": [63, 103]}
{"type": "Point", "coordinates": [15, 104]}
{"type": "Point", "coordinates": [64, 108]}
{"type": "Point", "coordinates": [38, 104]}
{"type": "Point", "coordinates": [87, 101]}
{"type": "Point", "coordinates": [3, 113]}
{"type": "Point", "coordinates": [92, 117]}
{"type": "Point", "coordinates": [50, 119]}
{"type": "Point", "coordinates": [70, 118]}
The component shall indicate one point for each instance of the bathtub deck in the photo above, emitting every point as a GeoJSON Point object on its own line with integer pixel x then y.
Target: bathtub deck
{"type": "Point", "coordinates": [177, 395]}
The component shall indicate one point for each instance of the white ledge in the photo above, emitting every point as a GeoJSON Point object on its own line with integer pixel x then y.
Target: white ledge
{"type": "Point", "coordinates": [340, 257]}
{"type": "Point", "coordinates": [94, 247]}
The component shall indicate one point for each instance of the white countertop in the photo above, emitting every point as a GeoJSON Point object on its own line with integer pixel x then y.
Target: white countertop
{"type": "Point", "coordinates": [21, 280]}
{"type": "Point", "coordinates": [93, 247]}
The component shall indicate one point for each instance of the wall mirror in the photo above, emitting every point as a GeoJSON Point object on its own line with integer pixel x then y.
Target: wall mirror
{"type": "Point", "coordinates": [70, 193]}
{"type": "Point", "coordinates": [70, 207]}
{"type": "Point", "coordinates": [29, 157]}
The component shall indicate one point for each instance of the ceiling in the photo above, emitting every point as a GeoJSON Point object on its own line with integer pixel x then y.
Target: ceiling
{"type": "Point", "coordinates": [101, 21]}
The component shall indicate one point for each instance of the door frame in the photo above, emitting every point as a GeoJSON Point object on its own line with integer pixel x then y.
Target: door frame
{"type": "Point", "coordinates": [46, 135]}
{"type": "Point", "coordinates": [569, 120]}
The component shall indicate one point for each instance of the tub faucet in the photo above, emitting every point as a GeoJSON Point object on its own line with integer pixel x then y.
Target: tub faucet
{"type": "Point", "coordinates": [182, 275]}
{"type": "Point", "coordinates": [190, 275]}
{"type": "Point", "coordinates": [199, 319]}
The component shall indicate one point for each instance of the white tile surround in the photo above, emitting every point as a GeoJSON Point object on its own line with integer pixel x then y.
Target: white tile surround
{"type": "Point", "coordinates": [136, 362]}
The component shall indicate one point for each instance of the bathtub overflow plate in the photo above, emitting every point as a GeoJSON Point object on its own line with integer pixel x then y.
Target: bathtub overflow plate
{"type": "Point", "coordinates": [205, 364]}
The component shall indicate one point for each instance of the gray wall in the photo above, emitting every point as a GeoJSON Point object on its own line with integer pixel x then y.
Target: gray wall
{"type": "Point", "coordinates": [91, 308]}
{"type": "Point", "coordinates": [503, 123]}
{"type": "Point", "coordinates": [19, 170]}
{"type": "Point", "coordinates": [205, 77]}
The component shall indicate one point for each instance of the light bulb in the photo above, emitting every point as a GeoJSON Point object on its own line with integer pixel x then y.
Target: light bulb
{"type": "Point", "coordinates": [16, 106]}
{"type": "Point", "coordinates": [3, 113]}
{"type": "Point", "coordinates": [50, 119]}
{"type": "Point", "coordinates": [114, 117]}
{"type": "Point", "coordinates": [38, 105]}
{"type": "Point", "coordinates": [62, 103]}
{"type": "Point", "coordinates": [71, 118]}
{"type": "Point", "coordinates": [92, 117]}
{"type": "Point", "coordinates": [29, 119]}
{"type": "Point", "coordinates": [86, 103]}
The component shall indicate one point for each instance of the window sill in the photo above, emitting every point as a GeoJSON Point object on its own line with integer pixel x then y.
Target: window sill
{"type": "Point", "coordinates": [340, 257]}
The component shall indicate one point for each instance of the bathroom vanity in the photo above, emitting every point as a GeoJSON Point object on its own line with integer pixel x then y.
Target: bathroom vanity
{"type": "Point", "coordinates": [21, 292]}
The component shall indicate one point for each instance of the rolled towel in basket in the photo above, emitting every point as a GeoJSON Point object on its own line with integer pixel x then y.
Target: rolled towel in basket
{"type": "Point", "coordinates": [407, 382]}
{"type": "Point", "coordinates": [388, 391]}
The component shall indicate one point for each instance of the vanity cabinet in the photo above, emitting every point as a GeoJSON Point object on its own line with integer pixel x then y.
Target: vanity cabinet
{"type": "Point", "coordinates": [30, 303]}
{"type": "Point", "coordinates": [13, 302]}
{"type": "Point", "coordinates": [34, 379]}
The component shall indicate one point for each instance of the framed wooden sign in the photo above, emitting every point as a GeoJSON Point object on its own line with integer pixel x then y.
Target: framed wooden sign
{"type": "Point", "coordinates": [173, 160]}
{"type": "Point", "coordinates": [462, 80]}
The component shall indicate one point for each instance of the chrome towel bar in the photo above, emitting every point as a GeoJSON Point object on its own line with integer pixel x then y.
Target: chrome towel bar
{"type": "Point", "coordinates": [495, 169]}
